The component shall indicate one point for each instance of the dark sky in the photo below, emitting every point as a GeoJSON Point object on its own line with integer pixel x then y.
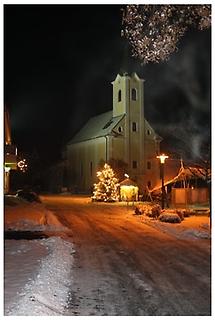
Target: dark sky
{"type": "Point", "coordinates": [59, 64]}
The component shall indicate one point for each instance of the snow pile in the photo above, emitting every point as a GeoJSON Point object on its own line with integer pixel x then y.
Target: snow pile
{"type": "Point", "coordinates": [37, 272]}
{"type": "Point", "coordinates": [47, 293]}
{"type": "Point", "coordinates": [21, 215]}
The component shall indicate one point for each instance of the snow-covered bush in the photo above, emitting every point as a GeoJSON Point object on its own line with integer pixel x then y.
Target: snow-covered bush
{"type": "Point", "coordinates": [169, 217]}
{"type": "Point", "coordinates": [156, 210]}
{"type": "Point", "coordinates": [148, 209]}
{"type": "Point", "coordinates": [180, 214]}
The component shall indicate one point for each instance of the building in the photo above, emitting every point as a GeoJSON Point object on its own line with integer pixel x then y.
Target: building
{"type": "Point", "coordinates": [121, 134]}
{"type": "Point", "coordinates": [10, 153]}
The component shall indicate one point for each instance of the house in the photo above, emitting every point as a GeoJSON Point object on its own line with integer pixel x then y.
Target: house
{"type": "Point", "coordinates": [10, 152]}
{"type": "Point", "coordinates": [190, 186]}
{"type": "Point", "coordinates": [121, 134]}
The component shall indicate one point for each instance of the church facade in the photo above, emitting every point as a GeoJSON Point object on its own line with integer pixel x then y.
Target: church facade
{"type": "Point", "coordinates": [122, 134]}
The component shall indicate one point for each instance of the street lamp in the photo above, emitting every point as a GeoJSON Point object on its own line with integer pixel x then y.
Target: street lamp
{"type": "Point", "coordinates": [162, 161]}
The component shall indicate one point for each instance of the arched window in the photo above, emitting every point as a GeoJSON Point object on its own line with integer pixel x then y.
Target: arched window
{"type": "Point", "coordinates": [119, 95]}
{"type": "Point", "coordinates": [134, 127]}
{"type": "Point", "coordinates": [134, 94]}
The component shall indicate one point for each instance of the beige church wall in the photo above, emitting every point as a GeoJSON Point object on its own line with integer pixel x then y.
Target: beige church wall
{"type": "Point", "coordinates": [84, 159]}
{"type": "Point", "coordinates": [117, 148]}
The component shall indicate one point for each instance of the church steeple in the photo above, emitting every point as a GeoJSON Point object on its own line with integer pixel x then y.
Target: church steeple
{"type": "Point", "coordinates": [127, 94]}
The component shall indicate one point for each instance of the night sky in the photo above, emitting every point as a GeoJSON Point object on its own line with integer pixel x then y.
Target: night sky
{"type": "Point", "coordinates": [59, 63]}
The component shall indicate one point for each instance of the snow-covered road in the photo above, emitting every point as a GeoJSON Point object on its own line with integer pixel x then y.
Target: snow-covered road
{"type": "Point", "coordinates": [100, 259]}
{"type": "Point", "coordinates": [123, 266]}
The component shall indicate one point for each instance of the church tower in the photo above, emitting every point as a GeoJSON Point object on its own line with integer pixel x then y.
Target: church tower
{"type": "Point", "coordinates": [128, 99]}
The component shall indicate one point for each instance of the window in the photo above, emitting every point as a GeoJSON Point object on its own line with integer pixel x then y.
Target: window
{"type": "Point", "coordinates": [148, 165]}
{"type": "Point", "coordinates": [148, 132]}
{"type": "Point", "coordinates": [134, 164]}
{"type": "Point", "coordinates": [134, 127]}
{"type": "Point", "coordinates": [119, 129]}
{"type": "Point", "coordinates": [91, 168]}
{"type": "Point", "coordinates": [134, 94]}
{"type": "Point", "coordinates": [119, 95]}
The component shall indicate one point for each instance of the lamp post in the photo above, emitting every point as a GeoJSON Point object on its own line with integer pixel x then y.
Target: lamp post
{"type": "Point", "coordinates": [162, 161]}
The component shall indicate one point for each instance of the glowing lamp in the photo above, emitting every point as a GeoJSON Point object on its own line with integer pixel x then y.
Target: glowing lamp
{"type": "Point", "coordinates": [162, 158]}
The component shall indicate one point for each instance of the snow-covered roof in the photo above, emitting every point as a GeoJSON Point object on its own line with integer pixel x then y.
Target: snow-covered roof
{"type": "Point", "coordinates": [128, 182]}
{"type": "Point", "coordinates": [98, 126]}
{"type": "Point", "coordinates": [156, 136]}
{"type": "Point", "coordinates": [185, 173]}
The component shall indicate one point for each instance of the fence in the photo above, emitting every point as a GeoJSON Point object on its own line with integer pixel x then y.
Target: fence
{"type": "Point", "coordinates": [185, 196]}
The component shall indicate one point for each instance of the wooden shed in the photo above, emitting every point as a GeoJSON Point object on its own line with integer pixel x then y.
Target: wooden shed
{"type": "Point", "coordinates": [128, 190]}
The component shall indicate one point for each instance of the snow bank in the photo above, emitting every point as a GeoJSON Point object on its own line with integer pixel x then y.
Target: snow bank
{"type": "Point", "coordinates": [37, 272]}
{"type": "Point", "coordinates": [47, 293]}
{"type": "Point", "coordinates": [21, 215]}
{"type": "Point", "coordinates": [193, 227]}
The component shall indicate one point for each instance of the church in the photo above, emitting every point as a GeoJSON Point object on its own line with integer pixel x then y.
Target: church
{"type": "Point", "coordinates": [121, 134]}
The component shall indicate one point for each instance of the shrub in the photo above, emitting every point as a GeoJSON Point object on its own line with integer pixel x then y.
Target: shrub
{"type": "Point", "coordinates": [170, 218]}
{"type": "Point", "coordinates": [148, 209]}
{"type": "Point", "coordinates": [138, 210]}
{"type": "Point", "coordinates": [180, 214]}
{"type": "Point", "coordinates": [156, 210]}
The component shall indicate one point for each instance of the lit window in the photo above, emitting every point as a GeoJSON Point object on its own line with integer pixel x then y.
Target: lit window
{"type": "Point", "coordinates": [148, 165]}
{"type": "Point", "coordinates": [134, 164]}
{"type": "Point", "coordinates": [119, 95]}
{"type": "Point", "coordinates": [134, 127]}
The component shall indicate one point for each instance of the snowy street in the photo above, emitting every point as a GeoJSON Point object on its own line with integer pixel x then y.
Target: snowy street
{"type": "Point", "coordinates": [104, 260]}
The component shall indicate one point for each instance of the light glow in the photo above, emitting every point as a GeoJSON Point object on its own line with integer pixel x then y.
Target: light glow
{"type": "Point", "coordinates": [22, 165]}
{"type": "Point", "coordinates": [107, 188]}
{"type": "Point", "coordinates": [162, 158]}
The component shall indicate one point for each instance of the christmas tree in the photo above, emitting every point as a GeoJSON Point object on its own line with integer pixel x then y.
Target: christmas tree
{"type": "Point", "coordinates": [106, 190]}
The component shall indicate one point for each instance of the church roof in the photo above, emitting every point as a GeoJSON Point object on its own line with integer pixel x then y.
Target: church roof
{"type": "Point", "coordinates": [98, 126]}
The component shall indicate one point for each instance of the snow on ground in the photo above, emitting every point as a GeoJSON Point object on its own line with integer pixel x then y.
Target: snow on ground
{"type": "Point", "coordinates": [21, 215]}
{"type": "Point", "coordinates": [36, 282]}
{"type": "Point", "coordinates": [192, 227]}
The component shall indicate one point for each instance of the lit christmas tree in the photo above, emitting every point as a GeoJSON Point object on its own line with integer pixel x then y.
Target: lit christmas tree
{"type": "Point", "coordinates": [106, 190]}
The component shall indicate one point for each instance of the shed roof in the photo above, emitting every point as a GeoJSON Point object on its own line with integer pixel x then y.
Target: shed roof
{"type": "Point", "coordinates": [185, 173]}
{"type": "Point", "coordinates": [128, 182]}
{"type": "Point", "coordinates": [98, 126]}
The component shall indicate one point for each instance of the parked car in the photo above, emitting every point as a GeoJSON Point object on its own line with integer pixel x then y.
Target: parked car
{"type": "Point", "coordinates": [28, 195]}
